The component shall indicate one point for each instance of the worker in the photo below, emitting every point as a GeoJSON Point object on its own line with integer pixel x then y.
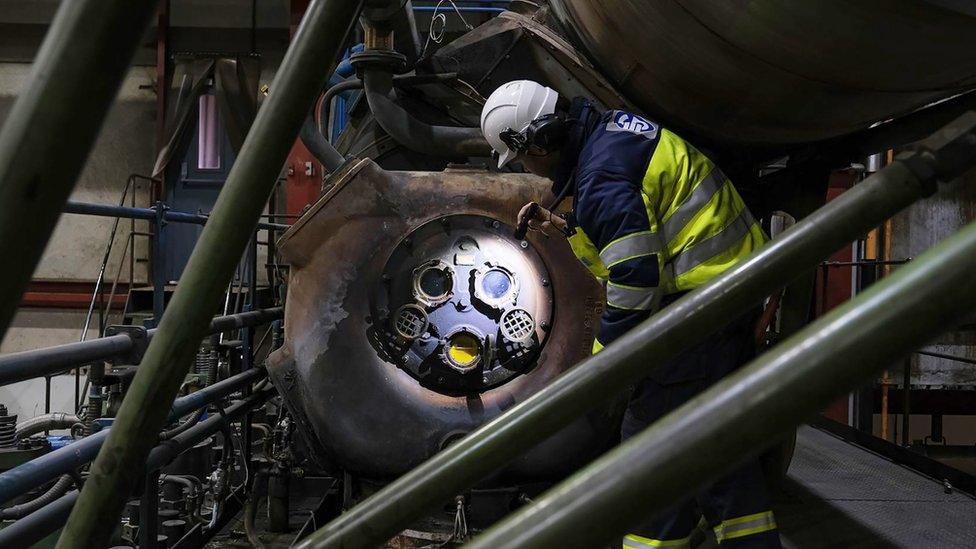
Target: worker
{"type": "Point", "coordinates": [652, 218]}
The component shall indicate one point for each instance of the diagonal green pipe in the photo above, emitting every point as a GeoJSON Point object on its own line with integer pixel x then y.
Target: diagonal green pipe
{"type": "Point", "coordinates": [119, 466]}
{"type": "Point", "coordinates": [684, 323]}
{"type": "Point", "coordinates": [737, 418]}
{"type": "Point", "coordinates": [53, 124]}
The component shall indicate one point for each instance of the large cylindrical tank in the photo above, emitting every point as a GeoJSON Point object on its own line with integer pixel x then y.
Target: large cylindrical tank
{"type": "Point", "coordinates": [414, 316]}
{"type": "Point", "coordinates": [771, 72]}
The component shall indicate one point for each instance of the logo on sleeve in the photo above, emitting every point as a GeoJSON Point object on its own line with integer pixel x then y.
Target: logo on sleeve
{"type": "Point", "coordinates": [622, 121]}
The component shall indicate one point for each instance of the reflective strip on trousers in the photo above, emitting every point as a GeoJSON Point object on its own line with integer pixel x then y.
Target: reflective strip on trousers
{"type": "Point", "coordinates": [638, 542]}
{"type": "Point", "coordinates": [694, 202]}
{"type": "Point", "coordinates": [630, 297]}
{"type": "Point", "coordinates": [714, 245]}
{"type": "Point", "coordinates": [628, 247]}
{"type": "Point", "coordinates": [745, 526]}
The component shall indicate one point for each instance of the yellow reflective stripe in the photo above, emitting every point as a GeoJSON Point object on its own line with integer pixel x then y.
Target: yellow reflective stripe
{"type": "Point", "coordinates": [638, 542]}
{"type": "Point", "coordinates": [587, 253]}
{"type": "Point", "coordinates": [597, 346]}
{"type": "Point", "coordinates": [630, 246]}
{"type": "Point", "coordinates": [673, 171]}
{"type": "Point", "coordinates": [721, 262]}
{"type": "Point", "coordinates": [631, 297]}
{"type": "Point", "coordinates": [700, 196]}
{"type": "Point", "coordinates": [701, 252]}
{"type": "Point", "coordinates": [745, 526]}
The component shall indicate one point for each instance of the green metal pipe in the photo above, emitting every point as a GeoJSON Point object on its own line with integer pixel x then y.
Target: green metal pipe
{"type": "Point", "coordinates": [51, 128]}
{"type": "Point", "coordinates": [303, 72]}
{"type": "Point", "coordinates": [684, 323]}
{"type": "Point", "coordinates": [741, 415]}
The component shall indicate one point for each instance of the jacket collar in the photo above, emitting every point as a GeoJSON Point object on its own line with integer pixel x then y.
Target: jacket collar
{"type": "Point", "coordinates": [583, 118]}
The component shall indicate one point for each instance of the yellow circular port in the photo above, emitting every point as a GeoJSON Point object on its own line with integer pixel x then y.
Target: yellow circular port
{"type": "Point", "coordinates": [463, 350]}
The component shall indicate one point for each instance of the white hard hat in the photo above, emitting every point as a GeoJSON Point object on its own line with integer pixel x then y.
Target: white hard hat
{"type": "Point", "coordinates": [513, 106]}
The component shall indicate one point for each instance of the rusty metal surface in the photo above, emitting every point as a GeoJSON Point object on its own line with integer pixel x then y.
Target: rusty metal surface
{"type": "Point", "coordinates": [366, 414]}
{"type": "Point", "coordinates": [768, 72]}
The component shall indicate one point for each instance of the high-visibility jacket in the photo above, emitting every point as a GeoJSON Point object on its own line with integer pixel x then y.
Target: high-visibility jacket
{"type": "Point", "coordinates": [652, 216]}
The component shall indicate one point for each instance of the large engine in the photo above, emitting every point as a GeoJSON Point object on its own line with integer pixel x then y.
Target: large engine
{"type": "Point", "coordinates": [414, 317]}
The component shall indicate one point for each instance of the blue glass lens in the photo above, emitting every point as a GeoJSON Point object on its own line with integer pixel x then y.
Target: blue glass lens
{"type": "Point", "coordinates": [496, 284]}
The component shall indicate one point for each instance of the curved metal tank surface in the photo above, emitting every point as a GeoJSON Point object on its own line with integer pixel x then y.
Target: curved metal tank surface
{"type": "Point", "coordinates": [770, 72]}
{"type": "Point", "coordinates": [361, 390]}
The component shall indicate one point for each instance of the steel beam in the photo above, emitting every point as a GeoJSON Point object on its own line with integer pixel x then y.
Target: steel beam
{"type": "Point", "coordinates": [741, 415]}
{"type": "Point", "coordinates": [304, 71]}
{"type": "Point", "coordinates": [51, 128]}
{"type": "Point", "coordinates": [678, 327]}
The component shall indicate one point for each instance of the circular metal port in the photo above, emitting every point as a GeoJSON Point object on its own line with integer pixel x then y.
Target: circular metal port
{"type": "Point", "coordinates": [463, 350]}
{"type": "Point", "coordinates": [517, 325]}
{"type": "Point", "coordinates": [433, 283]}
{"type": "Point", "coordinates": [410, 322]}
{"type": "Point", "coordinates": [496, 286]}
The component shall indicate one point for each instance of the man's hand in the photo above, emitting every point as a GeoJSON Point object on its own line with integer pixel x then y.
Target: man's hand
{"type": "Point", "coordinates": [541, 219]}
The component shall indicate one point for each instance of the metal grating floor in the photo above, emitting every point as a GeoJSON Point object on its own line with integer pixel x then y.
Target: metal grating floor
{"type": "Point", "coordinates": [840, 495]}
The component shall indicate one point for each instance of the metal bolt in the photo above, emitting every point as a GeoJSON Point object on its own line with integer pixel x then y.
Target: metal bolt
{"type": "Point", "coordinates": [495, 224]}
{"type": "Point", "coordinates": [544, 325]}
{"type": "Point", "coordinates": [545, 282]}
{"type": "Point", "coordinates": [524, 244]}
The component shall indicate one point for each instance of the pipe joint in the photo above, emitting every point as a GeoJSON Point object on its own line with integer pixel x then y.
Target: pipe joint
{"type": "Point", "coordinates": [140, 342]}
{"type": "Point", "coordinates": [383, 58]}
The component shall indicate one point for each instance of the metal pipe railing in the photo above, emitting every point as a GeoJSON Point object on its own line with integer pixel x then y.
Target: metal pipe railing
{"type": "Point", "coordinates": [681, 325]}
{"type": "Point", "coordinates": [742, 415]}
{"type": "Point", "coordinates": [53, 124]}
{"type": "Point", "coordinates": [149, 214]}
{"type": "Point", "coordinates": [36, 472]}
{"type": "Point", "coordinates": [49, 518]}
{"type": "Point", "coordinates": [309, 61]}
{"type": "Point", "coordinates": [25, 365]}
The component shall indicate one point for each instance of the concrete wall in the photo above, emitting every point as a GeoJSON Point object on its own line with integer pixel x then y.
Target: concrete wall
{"type": "Point", "coordinates": [125, 145]}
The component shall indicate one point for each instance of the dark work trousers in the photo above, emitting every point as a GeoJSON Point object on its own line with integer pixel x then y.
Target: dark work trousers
{"type": "Point", "coordinates": [738, 504]}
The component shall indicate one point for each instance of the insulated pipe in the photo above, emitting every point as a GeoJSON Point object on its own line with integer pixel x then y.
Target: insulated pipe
{"type": "Point", "coordinates": [440, 141]}
{"type": "Point", "coordinates": [24, 365]}
{"type": "Point", "coordinates": [34, 473]}
{"type": "Point", "coordinates": [304, 71]}
{"type": "Point", "coordinates": [39, 162]}
{"type": "Point", "coordinates": [318, 145]}
{"type": "Point", "coordinates": [23, 509]}
{"type": "Point", "coordinates": [46, 422]}
{"type": "Point", "coordinates": [681, 325]}
{"type": "Point", "coordinates": [312, 135]}
{"type": "Point", "coordinates": [739, 416]}
{"type": "Point", "coordinates": [39, 524]}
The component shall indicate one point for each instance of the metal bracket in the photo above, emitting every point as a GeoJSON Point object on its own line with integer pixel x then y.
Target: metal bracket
{"type": "Point", "coordinates": [140, 341]}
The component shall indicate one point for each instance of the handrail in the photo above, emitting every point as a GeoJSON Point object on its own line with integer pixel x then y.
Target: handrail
{"type": "Point", "coordinates": [303, 72]}
{"type": "Point", "coordinates": [24, 365]}
{"type": "Point", "coordinates": [686, 322]}
{"type": "Point", "coordinates": [36, 472]}
{"type": "Point", "coordinates": [28, 530]}
{"type": "Point", "coordinates": [742, 415]}
{"type": "Point", "coordinates": [149, 214]}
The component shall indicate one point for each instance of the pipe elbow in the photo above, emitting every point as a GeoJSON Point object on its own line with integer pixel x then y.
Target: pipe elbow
{"type": "Point", "coordinates": [418, 136]}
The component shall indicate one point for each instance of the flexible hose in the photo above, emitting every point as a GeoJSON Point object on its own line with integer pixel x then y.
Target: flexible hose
{"type": "Point", "coordinates": [196, 416]}
{"type": "Point", "coordinates": [45, 422]}
{"type": "Point", "coordinates": [54, 492]}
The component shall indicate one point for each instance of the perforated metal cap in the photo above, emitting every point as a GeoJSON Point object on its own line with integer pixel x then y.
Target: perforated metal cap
{"type": "Point", "coordinates": [517, 325]}
{"type": "Point", "coordinates": [410, 322]}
